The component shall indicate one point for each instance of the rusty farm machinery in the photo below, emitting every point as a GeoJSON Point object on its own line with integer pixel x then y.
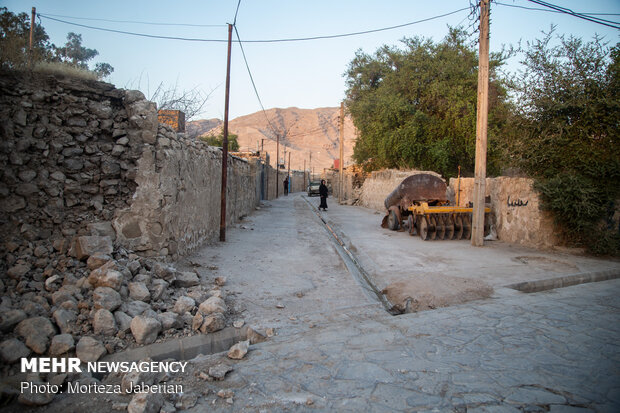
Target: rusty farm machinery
{"type": "Point", "coordinates": [422, 202]}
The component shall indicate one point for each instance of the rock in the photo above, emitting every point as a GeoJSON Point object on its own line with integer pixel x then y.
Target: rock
{"type": "Point", "coordinates": [220, 281]}
{"type": "Point", "coordinates": [186, 279]}
{"type": "Point", "coordinates": [134, 266]}
{"type": "Point", "coordinates": [239, 350]}
{"type": "Point", "coordinates": [89, 349]}
{"type": "Point", "coordinates": [212, 323]}
{"type": "Point", "coordinates": [145, 329]}
{"type": "Point", "coordinates": [238, 323]}
{"type": "Point", "coordinates": [164, 272]}
{"type": "Point", "coordinates": [17, 271]}
{"type": "Point", "coordinates": [197, 321]}
{"type": "Point", "coordinates": [256, 335]}
{"type": "Point", "coordinates": [53, 282]}
{"type": "Point", "coordinates": [212, 305]}
{"type": "Point", "coordinates": [184, 304]}
{"type": "Point", "coordinates": [134, 308]}
{"type": "Point", "coordinates": [104, 323]}
{"type": "Point", "coordinates": [106, 297]}
{"type": "Point", "coordinates": [12, 350]}
{"type": "Point", "coordinates": [97, 260]}
{"type": "Point", "coordinates": [139, 291]}
{"type": "Point", "coordinates": [280, 305]}
{"type": "Point", "coordinates": [218, 372]}
{"type": "Point", "coordinates": [216, 293]}
{"type": "Point", "coordinates": [123, 321]}
{"type": "Point", "coordinates": [9, 318]}
{"type": "Point", "coordinates": [61, 344]}
{"type": "Point", "coordinates": [158, 289]}
{"type": "Point", "coordinates": [85, 246]}
{"type": "Point", "coordinates": [145, 403]}
{"type": "Point", "coordinates": [30, 398]}
{"type": "Point", "coordinates": [186, 401]}
{"type": "Point", "coordinates": [36, 331]}
{"type": "Point", "coordinates": [62, 295]}
{"type": "Point", "coordinates": [270, 332]}
{"type": "Point", "coordinates": [169, 320]}
{"type": "Point", "coordinates": [225, 394]}
{"type": "Point", "coordinates": [134, 378]}
{"type": "Point", "coordinates": [65, 319]}
{"type": "Point", "coordinates": [106, 276]}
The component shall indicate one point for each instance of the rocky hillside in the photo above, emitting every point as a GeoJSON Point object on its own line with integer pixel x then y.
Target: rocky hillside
{"type": "Point", "coordinates": [307, 134]}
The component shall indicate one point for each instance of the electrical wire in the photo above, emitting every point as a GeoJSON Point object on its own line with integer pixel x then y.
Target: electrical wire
{"type": "Point", "coordinates": [273, 129]}
{"type": "Point", "coordinates": [236, 12]}
{"type": "Point", "coordinates": [516, 6]}
{"type": "Point", "coordinates": [135, 21]}
{"type": "Point", "coordinates": [298, 39]}
{"type": "Point", "coordinates": [604, 22]}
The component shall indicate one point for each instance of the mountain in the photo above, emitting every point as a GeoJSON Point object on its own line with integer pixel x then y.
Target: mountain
{"type": "Point", "coordinates": [307, 134]}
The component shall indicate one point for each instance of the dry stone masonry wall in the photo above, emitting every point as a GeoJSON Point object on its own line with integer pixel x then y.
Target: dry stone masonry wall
{"type": "Point", "coordinates": [92, 186]}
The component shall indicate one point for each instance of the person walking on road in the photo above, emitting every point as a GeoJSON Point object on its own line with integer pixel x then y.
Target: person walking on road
{"type": "Point", "coordinates": [285, 183]}
{"type": "Point", "coordinates": [323, 195]}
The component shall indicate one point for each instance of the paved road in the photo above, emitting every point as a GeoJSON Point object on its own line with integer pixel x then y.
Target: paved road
{"type": "Point", "coordinates": [336, 349]}
{"type": "Point", "coordinates": [549, 351]}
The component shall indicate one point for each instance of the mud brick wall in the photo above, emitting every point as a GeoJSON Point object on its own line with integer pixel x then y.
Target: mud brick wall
{"type": "Point", "coordinates": [81, 157]}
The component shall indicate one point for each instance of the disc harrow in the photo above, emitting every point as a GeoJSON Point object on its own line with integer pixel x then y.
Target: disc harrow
{"type": "Point", "coordinates": [442, 222]}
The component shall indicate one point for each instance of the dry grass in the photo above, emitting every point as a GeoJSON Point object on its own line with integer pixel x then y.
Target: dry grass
{"type": "Point", "coordinates": [64, 69]}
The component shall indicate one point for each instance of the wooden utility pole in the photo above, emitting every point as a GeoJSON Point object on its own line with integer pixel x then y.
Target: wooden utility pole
{"type": "Point", "coordinates": [288, 174]}
{"type": "Point", "coordinates": [477, 234]}
{"type": "Point", "coordinates": [341, 162]}
{"type": "Point", "coordinates": [303, 189]}
{"type": "Point", "coordinates": [225, 142]}
{"type": "Point", "coordinates": [277, 164]}
{"type": "Point", "coordinates": [31, 48]}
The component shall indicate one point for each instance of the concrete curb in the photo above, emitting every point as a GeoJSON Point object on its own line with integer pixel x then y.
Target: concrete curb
{"type": "Point", "coordinates": [565, 281]}
{"type": "Point", "coordinates": [185, 348]}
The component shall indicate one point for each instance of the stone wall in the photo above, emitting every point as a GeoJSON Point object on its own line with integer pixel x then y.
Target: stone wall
{"type": "Point", "coordinates": [83, 158]}
{"type": "Point", "coordinates": [516, 208]}
{"type": "Point", "coordinates": [68, 153]}
{"type": "Point", "coordinates": [515, 204]}
{"type": "Point", "coordinates": [379, 185]}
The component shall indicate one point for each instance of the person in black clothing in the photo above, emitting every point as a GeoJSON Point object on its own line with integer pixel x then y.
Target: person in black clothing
{"type": "Point", "coordinates": [285, 183]}
{"type": "Point", "coordinates": [323, 194]}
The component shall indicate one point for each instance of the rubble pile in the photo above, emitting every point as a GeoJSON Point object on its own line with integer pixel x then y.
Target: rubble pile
{"type": "Point", "coordinates": [88, 298]}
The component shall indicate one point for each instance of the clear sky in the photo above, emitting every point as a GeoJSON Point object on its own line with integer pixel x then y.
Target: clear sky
{"type": "Point", "coordinates": [306, 74]}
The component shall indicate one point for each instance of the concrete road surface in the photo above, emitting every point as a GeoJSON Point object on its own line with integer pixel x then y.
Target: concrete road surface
{"type": "Point", "coordinates": [336, 348]}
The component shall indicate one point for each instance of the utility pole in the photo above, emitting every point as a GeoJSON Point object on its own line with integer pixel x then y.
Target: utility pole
{"type": "Point", "coordinates": [304, 175]}
{"type": "Point", "coordinates": [340, 164]}
{"type": "Point", "coordinates": [288, 174]}
{"type": "Point", "coordinates": [277, 164]}
{"type": "Point", "coordinates": [31, 48]}
{"type": "Point", "coordinates": [310, 167]}
{"type": "Point", "coordinates": [477, 235]}
{"type": "Point", "coordinates": [225, 142]}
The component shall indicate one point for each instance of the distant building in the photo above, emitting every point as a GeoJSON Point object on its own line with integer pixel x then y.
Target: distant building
{"type": "Point", "coordinates": [174, 118]}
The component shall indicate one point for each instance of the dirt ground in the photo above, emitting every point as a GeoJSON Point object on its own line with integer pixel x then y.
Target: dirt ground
{"type": "Point", "coordinates": [428, 291]}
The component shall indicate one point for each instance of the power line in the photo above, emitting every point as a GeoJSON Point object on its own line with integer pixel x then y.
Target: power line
{"type": "Point", "coordinates": [516, 6]}
{"type": "Point", "coordinates": [608, 23]}
{"type": "Point", "coordinates": [273, 129]}
{"type": "Point", "coordinates": [134, 21]}
{"type": "Point", "coordinates": [236, 12]}
{"type": "Point", "coordinates": [298, 39]}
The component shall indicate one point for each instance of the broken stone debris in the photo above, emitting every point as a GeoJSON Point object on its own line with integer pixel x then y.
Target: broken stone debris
{"type": "Point", "coordinates": [239, 350]}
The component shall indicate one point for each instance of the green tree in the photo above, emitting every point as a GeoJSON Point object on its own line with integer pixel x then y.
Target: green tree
{"type": "Point", "coordinates": [416, 106]}
{"type": "Point", "coordinates": [15, 40]}
{"type": "Point", "coordinates": [74, 53]}
{"type": "Point", "coordinates": [568, 99]}
{"type": "Point", "coordinates": [233, 143]}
